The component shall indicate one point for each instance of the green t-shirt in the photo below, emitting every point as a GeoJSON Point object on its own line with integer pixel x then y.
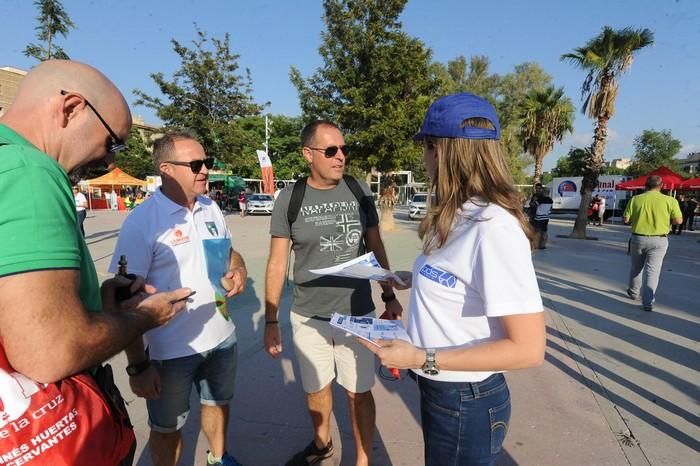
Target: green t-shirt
{"type": "Point", "coordinates": [38, 223]}
{"type": "Point", "coordinates": [651, 213]}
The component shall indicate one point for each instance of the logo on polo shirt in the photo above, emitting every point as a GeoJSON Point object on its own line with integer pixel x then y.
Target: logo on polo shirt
{"type": "Point", "coordinates": [211, 226]}
{"type": "Point", "coordinates": [438, 276]}
{"type": "Point", "coordinates": [178, 238]}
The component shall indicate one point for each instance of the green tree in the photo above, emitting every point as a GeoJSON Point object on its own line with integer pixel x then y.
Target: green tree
{"type": "Point", "coordinates": [53, 20]}
{"type": "Point", "coordinates": [284, 150]}
{"type": "Point", "coordinates": [573, 164]}
{"type": "Point", "coordinates": [605, 58]}
{"type": "Point", "coordinates": [653, 149]}
{"type": "Point", "coordinates": [209, 96]}
{"type": "Point", "coordinates": [376, 83]}
{"type": "Point", "coordinates": [136, 159]}
{"type": "Point", "coordinates": [545, 117]}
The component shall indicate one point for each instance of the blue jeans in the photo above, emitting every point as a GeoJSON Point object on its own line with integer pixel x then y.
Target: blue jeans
{"type": "Point", "coordinates": [464, 423]}
{"type": "Point", "coordinates": [212, 372]}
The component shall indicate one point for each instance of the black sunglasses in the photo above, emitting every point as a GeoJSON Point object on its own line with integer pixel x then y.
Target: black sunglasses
{"type": "Point", "coordinates": [330, 151]}
{"type": "Point", "coordinates": [195, 165]}
{"type": "Point", "coordinates": [115, 143]}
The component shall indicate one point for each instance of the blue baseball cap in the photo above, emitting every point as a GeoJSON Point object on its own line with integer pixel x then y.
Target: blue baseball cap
{"type": "Point", "coordinates": [445, 116]}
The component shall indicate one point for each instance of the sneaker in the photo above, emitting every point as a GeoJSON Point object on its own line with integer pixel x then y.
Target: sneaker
{"type": "Point", "coordinates": [311, 455]}
{"type": "Point", "coordinates": [647, 307]}
{"type": "Point", "coordinates": [226, 460]}
{"type": "Point", "coordinates": [631, 295]}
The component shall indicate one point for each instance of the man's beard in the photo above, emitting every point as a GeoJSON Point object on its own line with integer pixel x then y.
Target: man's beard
{"type": "Point", "coordinates": [91, 170]}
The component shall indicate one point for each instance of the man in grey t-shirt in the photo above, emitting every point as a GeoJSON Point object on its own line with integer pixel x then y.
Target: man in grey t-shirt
{"type": "Point", "coordinates": [331, 228]}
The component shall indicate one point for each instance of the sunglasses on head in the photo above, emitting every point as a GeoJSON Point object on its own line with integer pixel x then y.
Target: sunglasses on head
{"type": "Point", "coordinates": [114, 142]}
{"type": "Point", "coordinates": [195, 165]}
{"type": "Point", "coordinates": [330, 151]}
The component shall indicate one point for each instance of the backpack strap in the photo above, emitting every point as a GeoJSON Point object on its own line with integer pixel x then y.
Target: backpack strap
{"type": "Point", "coordinates": [295, 201]}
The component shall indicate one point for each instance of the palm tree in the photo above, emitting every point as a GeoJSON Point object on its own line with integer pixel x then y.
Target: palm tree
{"type": "Point", "coordinates": [545, 116]}
{"type": "Point", "coordinates": [605, 57]}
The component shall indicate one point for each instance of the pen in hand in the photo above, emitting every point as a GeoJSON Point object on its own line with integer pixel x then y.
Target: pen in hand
{"type": "Point", "coordinates": [174, 301]}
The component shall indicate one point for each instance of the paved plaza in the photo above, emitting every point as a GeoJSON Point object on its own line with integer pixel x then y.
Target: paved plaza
{"type": "Point", "coordinates": [619, 386]}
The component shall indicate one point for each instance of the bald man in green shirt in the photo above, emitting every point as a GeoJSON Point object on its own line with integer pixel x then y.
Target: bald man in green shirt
{"type": "Point", "coordinates": [650, 215]}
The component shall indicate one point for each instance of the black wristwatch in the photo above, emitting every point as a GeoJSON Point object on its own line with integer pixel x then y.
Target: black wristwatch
{"type": "Point", "coordinates": [388, 298]}
{"type": "Point", "coordinates": [430, 366]}
{"type": "Point", "coordinates": [138, 368]}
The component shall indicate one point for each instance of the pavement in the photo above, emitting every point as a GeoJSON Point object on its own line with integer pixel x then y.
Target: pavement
{"type": "Point", "coordinates": [619, 385]}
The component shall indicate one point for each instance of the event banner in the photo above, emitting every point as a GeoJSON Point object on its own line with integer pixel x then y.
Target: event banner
{"type": "Point", "coordinates": [266, 169]}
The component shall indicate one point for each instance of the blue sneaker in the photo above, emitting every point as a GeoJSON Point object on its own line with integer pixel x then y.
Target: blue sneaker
{"type": "Point", "coordinates": [226, 460]}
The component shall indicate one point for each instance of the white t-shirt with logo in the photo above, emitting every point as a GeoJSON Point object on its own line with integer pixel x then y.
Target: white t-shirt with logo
{"type": "Point", "coordinates": [164, 242]}
{"type": "Point", "coordinates": [483, 271]}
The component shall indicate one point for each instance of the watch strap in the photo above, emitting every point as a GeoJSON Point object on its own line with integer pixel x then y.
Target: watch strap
{"type": "Point", "coordinates": [138, 368]}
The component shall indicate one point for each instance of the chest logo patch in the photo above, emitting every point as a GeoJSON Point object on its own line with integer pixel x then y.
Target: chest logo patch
{"type": "Point", "coordinates": [438, 276]}
{"type": "Point", "coordinates": [178, 238]}
{"type": "Point", "coordinates": [211, 226]}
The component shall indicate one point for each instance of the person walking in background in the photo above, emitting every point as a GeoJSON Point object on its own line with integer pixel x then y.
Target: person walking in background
{"type": "Point", "coordinates": [176, 237]}
{"type": "Point", "coordinates": [691, 207]}
{"type": "Point", "coordinates": [677, 229]}
{"type": "Point", "coordinates": [601, 209]}
{"type": "Point", "coordinates": [242, 203]}
{"type": "Point", "coordinates": [650, 215]}
{"type": "Point", "coordinates": [81, 205]}
{"type": "Point", "coordinates": [543, 206]}
{"type": "Point", "coordinates": [475, 307]}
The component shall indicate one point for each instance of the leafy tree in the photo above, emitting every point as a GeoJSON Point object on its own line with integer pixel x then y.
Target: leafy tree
{"type": "Point", "coordinates": [654, 149]}
{"type": "Point", "coordinates": [546, 115]}
{"type": "Point", "coordinates": [136, 159]}
{"type": "Point", "coordinates": [605, 58]}
{"type": "Point", "coordinates": [53, 20]}
{"type": "Point", "coordinates": [209, 96]}
{"type": "Point", "coordinates": [283, 149]}
{"type": "Point", "coordinates": [376, 82]}
{"type": "Point", "coordinates": [573, 164]}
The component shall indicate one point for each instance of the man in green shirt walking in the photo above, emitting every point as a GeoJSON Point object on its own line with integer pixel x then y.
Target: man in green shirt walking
{"type": "Point", "coordinates": [650, 215]}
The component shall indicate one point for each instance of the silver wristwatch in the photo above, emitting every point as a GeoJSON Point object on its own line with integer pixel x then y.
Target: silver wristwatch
{"type": "Point", "coordinates": [430, 366]}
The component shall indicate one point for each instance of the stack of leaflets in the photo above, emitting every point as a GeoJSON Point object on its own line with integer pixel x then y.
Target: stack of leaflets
{"type": "Point", "coordinates": [369, 328]}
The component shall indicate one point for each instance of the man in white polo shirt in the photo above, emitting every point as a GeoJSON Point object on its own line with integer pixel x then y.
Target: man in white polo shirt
{"type": "Point", "coordinates": [178, 236]}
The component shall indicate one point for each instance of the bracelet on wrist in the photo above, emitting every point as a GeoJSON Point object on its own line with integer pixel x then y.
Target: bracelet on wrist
{"type": "Point", "coordinates": [388, 297]}
{"type": "Point", "coordinates": [270, 322]}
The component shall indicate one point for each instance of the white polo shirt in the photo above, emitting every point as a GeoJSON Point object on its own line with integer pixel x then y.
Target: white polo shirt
{"type": "Point", "coordinates": [164, 242]}
{"type": "Point", "coordinates": [459, 291]}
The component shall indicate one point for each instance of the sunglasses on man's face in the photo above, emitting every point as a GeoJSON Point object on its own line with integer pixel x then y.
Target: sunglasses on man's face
{"type": "Point", "coordinates": [114, 143]}
{"type": "Point", "coordinates": [331, 151]}
{"type": "Point", "coordinates": [195, 165]}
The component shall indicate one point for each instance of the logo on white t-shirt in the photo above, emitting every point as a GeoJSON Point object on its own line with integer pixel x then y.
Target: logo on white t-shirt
{"type": "Point", "coordinates": [438, 276]}
{"type": "Point", "coordinates": [211, 226]}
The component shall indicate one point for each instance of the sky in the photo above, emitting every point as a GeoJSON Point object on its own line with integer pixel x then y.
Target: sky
{"type": "Point", "coordinates": [130, 39]}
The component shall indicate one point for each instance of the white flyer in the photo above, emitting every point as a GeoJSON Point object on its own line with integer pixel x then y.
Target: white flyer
{"type": "Point", "coordinates": [365, 266]}
{"type": "Point", "coordinates": [369, 328]}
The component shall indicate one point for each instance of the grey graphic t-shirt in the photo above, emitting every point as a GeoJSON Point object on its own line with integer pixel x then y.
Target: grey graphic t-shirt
{"type": "Point", "coordinates": [328, 231]}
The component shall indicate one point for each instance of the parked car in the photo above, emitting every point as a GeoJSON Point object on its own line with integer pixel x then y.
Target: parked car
{"type": "Point", "coordinates": [260, 204]}
{"type": "Point", "coordinates": [417, 206]}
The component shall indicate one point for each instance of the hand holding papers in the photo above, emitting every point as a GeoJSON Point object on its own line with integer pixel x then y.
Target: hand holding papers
{"type": "Point", "coordinates": [369, 328]}
{"type": "Point", "coordinates": [365, 266]}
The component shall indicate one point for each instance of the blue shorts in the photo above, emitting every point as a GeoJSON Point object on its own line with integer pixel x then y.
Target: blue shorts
{"type": "Point", "coordinates": [212, 372]}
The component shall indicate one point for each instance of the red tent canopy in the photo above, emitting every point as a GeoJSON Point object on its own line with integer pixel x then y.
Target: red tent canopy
{"type": "Point", "coordinates": [693, 183]}
{"type": "Point", "coordinates": [671, 180]}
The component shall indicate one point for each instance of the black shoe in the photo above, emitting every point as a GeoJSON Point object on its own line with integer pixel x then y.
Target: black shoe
{"type": "Point", "coordinates": [648, 308]}
{"type": "Point", "coordinates": [630, 295]}
{"type": "Point", "coordinates": [311, 455]}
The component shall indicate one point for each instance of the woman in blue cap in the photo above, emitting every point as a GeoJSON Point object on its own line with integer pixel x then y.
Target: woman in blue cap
{"type": "Point", "coordinates": [475, 307]}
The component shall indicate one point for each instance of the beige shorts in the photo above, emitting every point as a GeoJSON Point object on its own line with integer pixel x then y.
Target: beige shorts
{"type": "Point", "coordinates": [324, 351]}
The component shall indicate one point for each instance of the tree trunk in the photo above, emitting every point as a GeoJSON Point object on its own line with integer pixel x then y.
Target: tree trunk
{"type": "Point", "coordinates": [594, 162]}
{"type": "Point", "coordinates": [387, 218]}
{"type": "Point", "coordinates": [537, 177]}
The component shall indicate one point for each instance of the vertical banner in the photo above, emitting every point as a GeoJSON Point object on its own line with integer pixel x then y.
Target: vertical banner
{"type": "Point", "coordinates": [266, 169]}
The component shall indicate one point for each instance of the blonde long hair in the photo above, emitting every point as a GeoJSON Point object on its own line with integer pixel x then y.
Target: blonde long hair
{"type": "Point", "coordinates": [468, 168]}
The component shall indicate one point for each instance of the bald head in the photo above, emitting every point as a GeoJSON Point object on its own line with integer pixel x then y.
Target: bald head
{"type": "Point", "coordinates": [56, 121]}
